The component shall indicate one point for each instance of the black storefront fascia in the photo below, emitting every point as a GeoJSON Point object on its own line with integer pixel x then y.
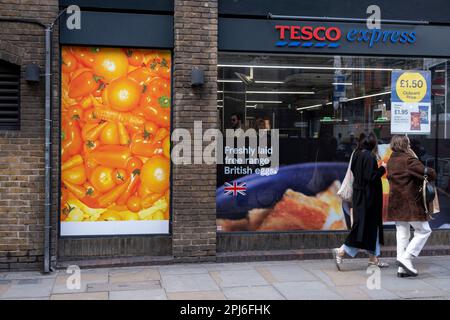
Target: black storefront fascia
{"type": "Point", "coordinates": [244, 27]}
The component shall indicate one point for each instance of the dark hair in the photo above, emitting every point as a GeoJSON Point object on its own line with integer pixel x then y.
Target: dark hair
{"type": "Point", "coordinates": [368, 142]}
{"type": "Point", "coordinates": [237, 115]}
{"type": "Point", "coordinates": [361, 138]}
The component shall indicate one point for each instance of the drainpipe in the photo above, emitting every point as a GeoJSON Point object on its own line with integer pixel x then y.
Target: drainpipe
{"type": "Point", "coordinates": [48, 146]}
{"type": "Point", "coordinates": [48, 141]}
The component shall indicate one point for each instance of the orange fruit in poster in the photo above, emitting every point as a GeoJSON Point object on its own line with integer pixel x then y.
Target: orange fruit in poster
{"type": "Point", "coordinates": [134, 204]}
{"type": "Point", "coordinates": [135, 57]}
{"type": "Point", "coordinates": [90, 191]}
{"type": "Point", "coordinates": [68, 63]}
{"type": "Point", "coordinates": [90, 117]}
{"type": "Point", "coordinates": [165, 55]}
{"type": "Point", "coordinates": [166, 147]}
{"type": "Point", "coordinates": [157, 114]}
{"type": "Point", "coordinates": [124, 94]}
{"type": "Point", "coordinates": [150, 129]}
{"type": "Point", "coordinates": [143, 191]}
{"type": "Point", "coordinates": [141, 75]}
{"type": "Point", "coordinates": [102, 179]}
{"type": "Point", "coordinates": [120, 176]}
{"type": "Point", "coordinates": [152, 57]}
{"type": "Point", "coordinates": [75, 112]}
{"type": "Point", "coordinates": [155, 109]}
{"type": "Point", "coordinates": [159, 87]}
{"type": "Point", "coordinates": [76, 175]}
{"type": "Point", "coordinates": [155, 174]}
{"type": "Point", "coordinates": [84, 55]}
{"type": "Point", "coordinates": [133, 164]}
{"type": "Point", "coordinates": [83, 85]}
{"type": "Point", "coordinates": [148, 99]}
{"type": "Point", "coordinates": [110, 134]}
{"type": "Point", "coordinates": [110, 63]}
{"type": "Point", "coordinates": [161, 69]}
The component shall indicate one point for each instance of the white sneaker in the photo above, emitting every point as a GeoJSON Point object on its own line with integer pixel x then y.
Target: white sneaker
{"type": "Point", "coordinates": [407, 265]}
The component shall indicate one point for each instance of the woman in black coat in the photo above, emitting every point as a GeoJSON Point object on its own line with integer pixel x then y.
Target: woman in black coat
{"type": "Point", "coordinates": [367, 201]}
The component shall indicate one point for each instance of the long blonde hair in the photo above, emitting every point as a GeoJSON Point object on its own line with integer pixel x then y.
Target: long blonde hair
{"type": "Point", "coordinates": [402, 144]}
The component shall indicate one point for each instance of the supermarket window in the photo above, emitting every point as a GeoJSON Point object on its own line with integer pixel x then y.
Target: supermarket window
{"type": "Point", "coordinates": [320, 105]}
{"type": "Point", "coordinates": [9, 96]}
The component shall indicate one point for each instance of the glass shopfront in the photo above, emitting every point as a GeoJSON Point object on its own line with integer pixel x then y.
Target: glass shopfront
{"type": "Point", "coordinates": [320, 104]}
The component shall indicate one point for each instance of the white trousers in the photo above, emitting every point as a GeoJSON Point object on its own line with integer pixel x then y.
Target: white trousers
{"type": "Point", "coordinates": [422, 231]}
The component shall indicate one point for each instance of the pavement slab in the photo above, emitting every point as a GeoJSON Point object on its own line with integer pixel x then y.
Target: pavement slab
{"type": "Point", "coordinates": [345, 278]}
{"type": "Point", "coordinates": [199, 295]}
{"type": "Point", "coordinates": [155, 294]}
{"type": "Point", "coordinates": [124, 286]}
{"type": "Point", "coordinates": [308, 290]}
{"type": "Point", "coordinates": [238, 278]}
{"type": "Point", "coordinates": [29, 288]}
{"type": "Point", "coordinates": [188, 283]}
{"type": "Point", "coordinates": [182, 269]}
{"type": "Point", "coordinates": [81, 296]}
{"type": "Point", "coordinates": [285, 273]}
{"type": "Point", "coordinates": [252, 293]}
{"type": "Point", "coordinates": [230, 266]}
{"type": "Point", "coordinates": [138, 275]}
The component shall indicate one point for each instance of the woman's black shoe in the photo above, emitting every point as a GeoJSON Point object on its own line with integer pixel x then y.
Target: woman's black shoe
{"type": "Point", "coordinates": [405, 275]}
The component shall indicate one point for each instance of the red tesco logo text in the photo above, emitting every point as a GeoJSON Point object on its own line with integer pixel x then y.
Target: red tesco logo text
{"type": "Point", "coordinates": [308, 33]}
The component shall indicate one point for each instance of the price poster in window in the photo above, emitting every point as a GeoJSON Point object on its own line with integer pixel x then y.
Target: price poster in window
{"type": "Point", "coordinates": [411, 102]}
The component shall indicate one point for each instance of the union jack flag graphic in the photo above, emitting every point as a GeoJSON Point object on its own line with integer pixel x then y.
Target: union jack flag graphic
{"type": "Point", "coordinates": [235, 188]}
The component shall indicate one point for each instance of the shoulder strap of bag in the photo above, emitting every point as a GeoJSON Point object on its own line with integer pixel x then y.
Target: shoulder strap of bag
{"type": "Point", "coordinates": [424, 189]}
{"type": "Point", "coordinates": [351, 157]}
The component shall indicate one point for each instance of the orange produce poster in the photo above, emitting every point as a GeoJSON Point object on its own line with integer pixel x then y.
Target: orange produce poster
{"type": "Point", "coordinates": [115, 141]}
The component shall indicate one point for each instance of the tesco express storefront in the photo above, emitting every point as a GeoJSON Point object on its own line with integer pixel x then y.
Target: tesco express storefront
{"type": "Point", "coordinates": [322, 82]}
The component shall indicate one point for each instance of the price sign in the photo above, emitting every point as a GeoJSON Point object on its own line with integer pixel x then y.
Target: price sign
{"type": "Point", "coordinates": [411, 87]}
{"type": "Point", "coordinates": [411, 102]}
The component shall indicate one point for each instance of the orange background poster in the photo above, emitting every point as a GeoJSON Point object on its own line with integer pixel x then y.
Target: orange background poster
{"type": "Point", "coordinates": [115, 140]}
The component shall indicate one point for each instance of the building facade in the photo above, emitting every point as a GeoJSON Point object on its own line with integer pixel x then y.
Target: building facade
{"type": "Point", "coordinates": [124, 81]}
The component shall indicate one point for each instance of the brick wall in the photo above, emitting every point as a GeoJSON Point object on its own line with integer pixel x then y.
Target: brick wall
{"type": "Point", "coordinates": [194, 186]}
{"type": "Point", "coordinates": [22, 152]}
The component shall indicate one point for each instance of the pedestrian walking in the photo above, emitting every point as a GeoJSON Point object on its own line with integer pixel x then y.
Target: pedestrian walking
{"type": "Point", "coordinates": [367, 201]}
{"type": "Point", "coordinates": [406, 207]}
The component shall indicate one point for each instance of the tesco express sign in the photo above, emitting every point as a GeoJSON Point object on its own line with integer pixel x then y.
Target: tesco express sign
{"type": "Point", "coordinates": [322, 36]}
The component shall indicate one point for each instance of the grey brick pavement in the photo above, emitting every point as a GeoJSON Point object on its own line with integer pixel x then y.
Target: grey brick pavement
{"type": "Point", "coordinates": [313, 279]}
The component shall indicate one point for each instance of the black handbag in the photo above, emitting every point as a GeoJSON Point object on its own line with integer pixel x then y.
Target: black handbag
{"type": "Point", "coordinates": [428, 191]}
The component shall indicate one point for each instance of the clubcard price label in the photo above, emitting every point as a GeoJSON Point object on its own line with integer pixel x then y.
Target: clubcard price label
{"type": "Point", "coordinates": [411, 102]}
{"type": "Point", "coordinates": [411, 87]}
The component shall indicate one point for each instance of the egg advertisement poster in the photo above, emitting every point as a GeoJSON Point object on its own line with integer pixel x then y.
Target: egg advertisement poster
{"type": "Point", "coordinates": [115, 141]}
{"type": "Point", "coordinates": [299, 197]}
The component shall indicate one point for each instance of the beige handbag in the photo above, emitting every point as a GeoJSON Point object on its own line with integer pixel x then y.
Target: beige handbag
{"type": "Point", "coordinates": [346, 189]}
